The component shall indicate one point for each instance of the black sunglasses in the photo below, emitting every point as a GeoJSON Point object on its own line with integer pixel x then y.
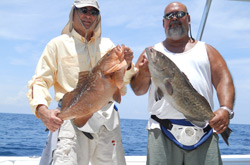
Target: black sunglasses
{"type": "Point", "coordinates": [178, 14]}
{"type": "Point", "coordinates": [84, 10]}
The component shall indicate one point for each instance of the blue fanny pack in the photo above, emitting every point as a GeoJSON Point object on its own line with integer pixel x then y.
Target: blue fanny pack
{"type": "Point", "coordinates": [183, 133]}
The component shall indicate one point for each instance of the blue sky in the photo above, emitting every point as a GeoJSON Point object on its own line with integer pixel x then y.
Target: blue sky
{"type": "Point", "coordinates": [26, 26]}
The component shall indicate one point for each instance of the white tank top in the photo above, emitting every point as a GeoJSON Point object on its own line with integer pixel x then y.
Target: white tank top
{"type": "Point", "coordinates": [196, 66]}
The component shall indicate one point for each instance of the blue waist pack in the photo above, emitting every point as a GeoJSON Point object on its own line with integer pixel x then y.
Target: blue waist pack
{"type": "Point", "coordinates": [183, 133]}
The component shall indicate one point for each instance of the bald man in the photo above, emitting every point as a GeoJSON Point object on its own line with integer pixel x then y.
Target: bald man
{"type": "Point", "coordinates": [205, 69]}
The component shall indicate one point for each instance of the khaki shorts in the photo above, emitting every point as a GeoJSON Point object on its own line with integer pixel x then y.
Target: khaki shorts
{"type": "Point", "coordinates": [69, 146]}
{"type": "Point", "coordinates": [162, 151]}
{"type": "Point", "coordinates": [74, 148]}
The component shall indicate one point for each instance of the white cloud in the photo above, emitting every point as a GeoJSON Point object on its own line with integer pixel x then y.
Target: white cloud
{"type": "Point", "coordinates": [28, 20]}
{"type": "Point", "coordinates": [241, 62]}
{"type": "Point", "coordinates": [9, 35]}
{"type": "Point", "coordinates": [18, 99]}
{"type": "Point", "coordinates": [228, 22]}
{"type": "Point", "coordinates": [138, 14]}
{"type": "Point", "coordinates": [24, 47]}
{"type": "Point", "coordinates": [26, 54]}
{"type": "Point", "coordinates": [239, 67]}
{"type": "Point", "coordinates": [240, 71]}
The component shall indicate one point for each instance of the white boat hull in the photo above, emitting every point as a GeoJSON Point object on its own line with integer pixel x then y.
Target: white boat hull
{"type": "Point", "coordinates": [131, 160]}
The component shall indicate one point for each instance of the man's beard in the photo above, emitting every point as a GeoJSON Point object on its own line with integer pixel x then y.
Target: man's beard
{"type": "Point", "coordinates": [176, 31]}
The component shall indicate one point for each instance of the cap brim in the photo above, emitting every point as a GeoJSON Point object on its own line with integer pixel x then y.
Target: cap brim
{"type": "Point", "coordinates": [86, 5]}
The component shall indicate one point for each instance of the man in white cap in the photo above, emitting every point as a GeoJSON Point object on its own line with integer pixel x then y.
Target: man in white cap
{"type": "Point", "coordinates": [78, 49]}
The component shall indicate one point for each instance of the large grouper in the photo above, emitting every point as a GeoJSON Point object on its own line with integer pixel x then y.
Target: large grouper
{"type": "Point", "coordinates": [95, 88]}
{"type": "Point", "coordinates": [174, 86]}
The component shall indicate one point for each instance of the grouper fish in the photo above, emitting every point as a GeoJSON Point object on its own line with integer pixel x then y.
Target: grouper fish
{"type": "Point", "coordinates": [172, 84]}
{"type": "Point", "coordinates": [95, 88]}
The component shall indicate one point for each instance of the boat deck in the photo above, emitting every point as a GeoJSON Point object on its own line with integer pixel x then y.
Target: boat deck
{"type": "Point", "coordinates": [131, 160]}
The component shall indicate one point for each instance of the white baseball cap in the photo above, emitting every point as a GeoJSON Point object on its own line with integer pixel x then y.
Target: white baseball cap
{"type": "Point", "coordinates": [84, 3]}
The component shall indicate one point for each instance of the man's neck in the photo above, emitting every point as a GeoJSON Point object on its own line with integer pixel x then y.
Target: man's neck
{"type": "Point", "coordinates": [178, 46]}
{"type": "Point", "coordinates": [89, 36]}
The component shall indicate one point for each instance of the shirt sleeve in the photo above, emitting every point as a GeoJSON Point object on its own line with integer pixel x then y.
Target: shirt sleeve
{"type": "Point", "coordinates": [127, 77]}
{"type": "Point", "coordinates": [38, 87]}
{"type": "Point", "coordinates": [129, 74]}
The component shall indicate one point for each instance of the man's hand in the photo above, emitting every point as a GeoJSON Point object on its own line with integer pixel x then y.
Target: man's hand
{"type": "Point", "coordinates": [49, 117]}
{"type": "Point", "coordinates": [141, 80]}
{"type": "Point", "coordinates": [128, 56]}
{"type": "Point", "coordinates": [142, 65]}
{"type": "Point", "coordinates": [221, 121]}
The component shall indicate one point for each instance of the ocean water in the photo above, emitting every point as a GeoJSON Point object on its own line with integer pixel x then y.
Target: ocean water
{"type": "Point", "coordinates": [24, 135]}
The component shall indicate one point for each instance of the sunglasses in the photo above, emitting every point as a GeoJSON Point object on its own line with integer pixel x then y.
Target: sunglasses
{"type": "Point", "coordinates": [178, 14]}
{"type": "Point", "coordinates": [85, 10]}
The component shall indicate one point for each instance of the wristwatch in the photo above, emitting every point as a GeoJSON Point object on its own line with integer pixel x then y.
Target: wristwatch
{"type": "Point", "coordinates": [230, 112]}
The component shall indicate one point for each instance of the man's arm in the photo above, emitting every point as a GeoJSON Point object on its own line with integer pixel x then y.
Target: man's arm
{"type": "Point", "coordinates": [38, 93]}
{"type": "Point", "coordinates": [140, 82]}
{"type": "Point", "coordinates": [223, 83]}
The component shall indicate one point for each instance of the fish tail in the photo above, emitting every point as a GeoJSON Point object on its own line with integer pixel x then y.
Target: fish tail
{"type": "Point", "coordinates": [225, 135]}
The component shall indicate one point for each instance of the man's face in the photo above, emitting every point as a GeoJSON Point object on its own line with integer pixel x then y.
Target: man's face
{"type": "Point", "coordinates": [176, 21]}
{"type": "Point", "coordinates": [85, 16]}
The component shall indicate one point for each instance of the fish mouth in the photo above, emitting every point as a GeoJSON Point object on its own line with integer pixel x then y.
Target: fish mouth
{"type": "Point", "coordinates": [153, 59]}
{"type": "Point", "coordinates": [119, 50]}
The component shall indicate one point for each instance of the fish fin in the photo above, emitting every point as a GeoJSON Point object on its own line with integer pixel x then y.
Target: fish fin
{"type": "Point", "coordinates": [187, 80]}
{"type": "Point", "coordinates": [118, 78]}
{"type": "Point", "coordinates": [185, 76]}
{"type": "Point", "coordinates": [158, 94]}
{"type": "Point", "coordinates": [82, 77]}
{"type": "Point", "coordinates": [116, 67]}
{"type": "Point", "coordinates": [117, 96]}
{"type": "Point", "coordinates": [168, 86]}
{"type": "Point", "coordinates": [204, 100]}
{"type": "Point", "coordinates": [225, 135]}
{"type": "Point", "coordinates": [81, 121]}
{"type": "Point", "coordinates": [201, 124]}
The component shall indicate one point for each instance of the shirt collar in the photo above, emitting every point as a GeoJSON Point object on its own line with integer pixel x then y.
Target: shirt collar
{"type": "Point", "coordinates": [77, 35]}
